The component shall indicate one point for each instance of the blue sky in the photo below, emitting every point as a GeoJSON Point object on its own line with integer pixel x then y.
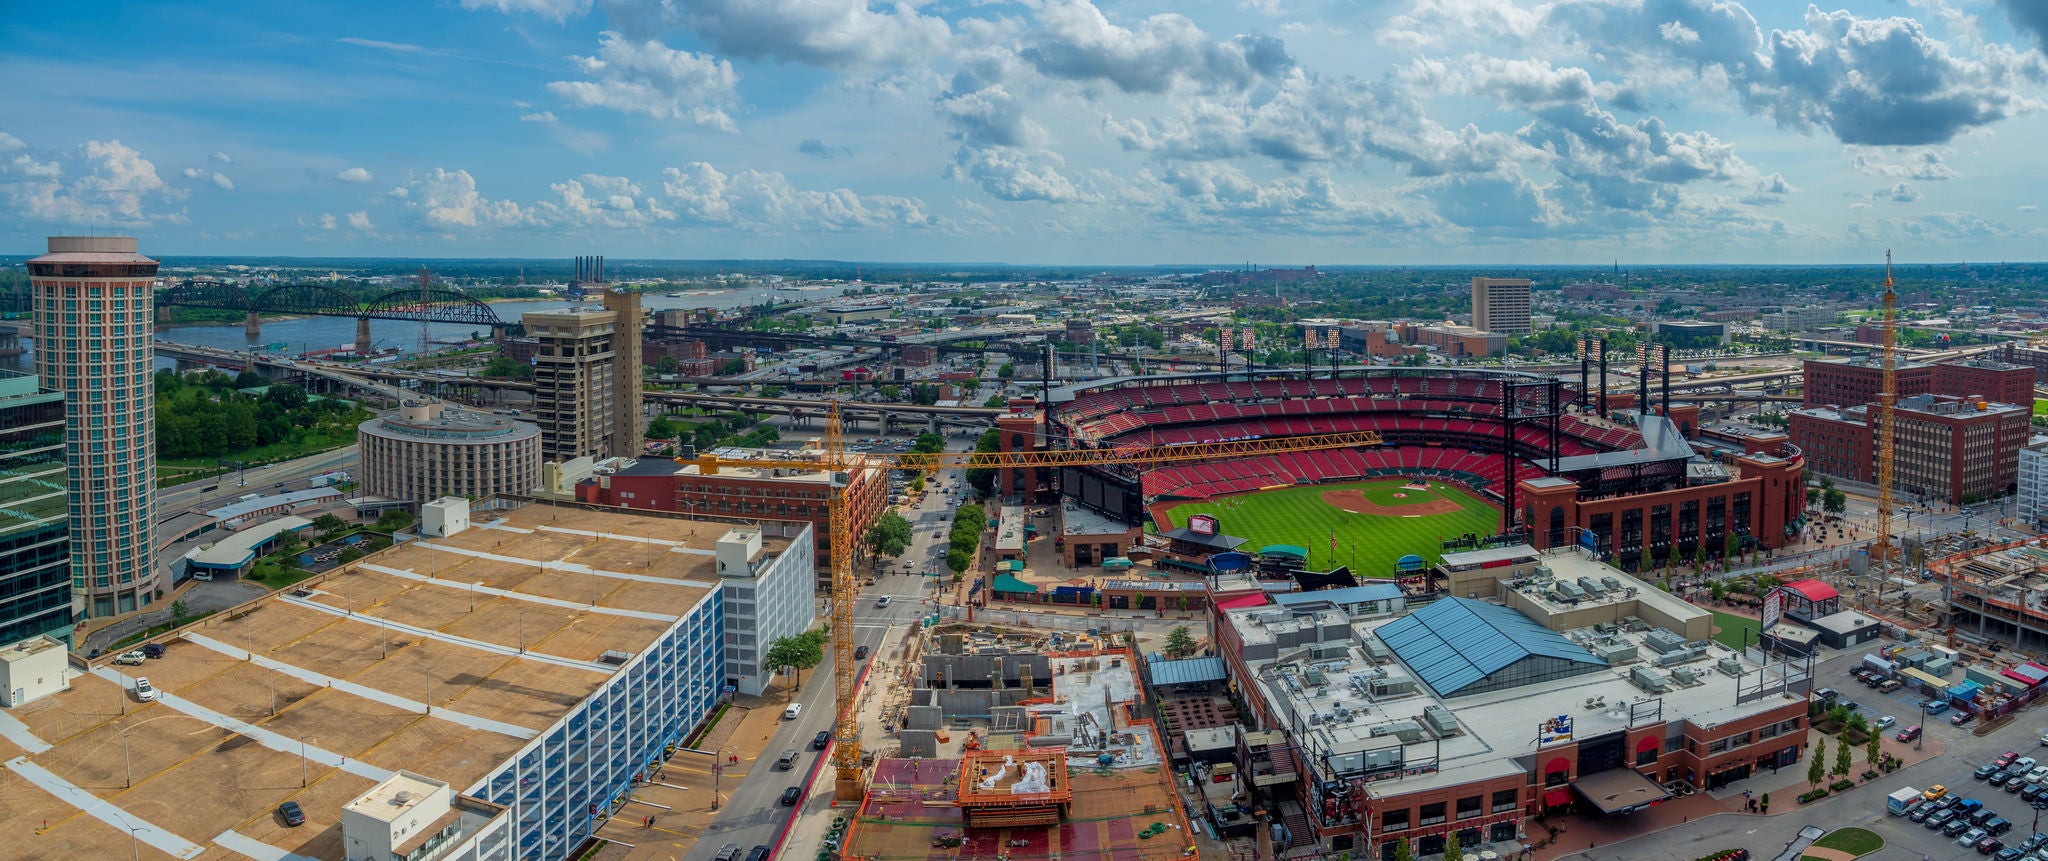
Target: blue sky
{"type": "Point", "coordinates": [1050, 131]}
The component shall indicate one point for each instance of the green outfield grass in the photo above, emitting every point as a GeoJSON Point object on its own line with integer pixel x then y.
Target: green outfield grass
{"type": "Point", "coordinates": [1370, 544]}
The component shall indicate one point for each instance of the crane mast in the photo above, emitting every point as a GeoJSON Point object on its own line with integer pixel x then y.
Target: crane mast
{"type": "Point", "coordinates": [1887, 431]}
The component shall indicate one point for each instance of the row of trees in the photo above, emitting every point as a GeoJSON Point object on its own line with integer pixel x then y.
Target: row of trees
{"type": "Point", "coordinates": [965, 537]}
{"type": "Point", "coordinates": [208, 417]}
{"type": "Point", "coordinates": [797, 653]}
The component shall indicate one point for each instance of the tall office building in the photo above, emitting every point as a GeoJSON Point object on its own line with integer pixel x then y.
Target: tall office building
{"type": "Point", "coordinates": [94, 303]}
{"type": "Point", "coordinates": [1501, 305]}
{"type": "Point", "coordinates": [35, 570]}
{"type": "Point", "coordinates": [630, 369]}
{"type": "Point", "coordinates": [575, 379]}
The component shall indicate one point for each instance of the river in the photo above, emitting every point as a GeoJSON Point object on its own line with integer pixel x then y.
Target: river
{"type": "Point", "coordinates": [326, 333]}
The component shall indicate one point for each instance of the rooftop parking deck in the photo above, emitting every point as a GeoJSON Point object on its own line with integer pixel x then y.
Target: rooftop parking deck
{"type": "Point", "coordinates": [398, 661]}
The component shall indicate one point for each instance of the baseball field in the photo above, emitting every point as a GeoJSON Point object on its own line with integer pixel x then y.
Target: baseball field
{"type": "Point", "coordinates": [1375, 522]}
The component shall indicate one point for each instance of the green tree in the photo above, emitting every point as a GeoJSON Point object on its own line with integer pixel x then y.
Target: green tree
{"type": "Point", "coordinates": [179, 609]}
{"type": "Point", "coordinates": [1007, 371]}
{"type": "Point", "coordinates": [889, 392]}
{"type": "Point", "coordinates": [1179, 642]}
{"type": "Point", "coordinates": [1813, 496]}
{"type": "Point", "coordinates": [797, 653]}
{"type": "Point", "coordinates": [928, 443]}
{"type": "Point", "coordinates": [667, 365]}
{"type": "Point", "coordinates": [1834, 501]}
{"type": "Point", "coordinates": [1402, 852]}
{"type": "Point", "coordinates": [329, 524]}
{"type": "Point", "coordinates": [1452, 852]}
{"type": "Point", "coordinates": [1842, 754]}
{"type": "Point", "coordinates": [1873, 750]}
{"type": "Point", "coordinates": [731, 367]}
{"type": "Point", "coordinates": [393, 519]}
{"type": "Point", "coordinates": [983, 479]}
{"type": "Point", "coordinates": [917, 483]}
{"type": "Point", "coordinates": [286, 397]}
{"type": "Point", "coordinates": [250, 380]}
{"type": "Point", "coordinates": [771, 391]}
{"type": "Point", "coordinates": [957, 561]}
{"type": "Point", "coordinates": [349, 554]}
{"type": "Point", "coordinates": [890, 535]}
{"type": "Point", "coordinates": [994, 401]}
{"type": "Point", "coordinates": [1817, 771]}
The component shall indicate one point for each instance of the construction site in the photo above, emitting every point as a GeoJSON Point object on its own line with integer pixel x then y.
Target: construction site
{"type": "Point", "coordinates": [1011, 744]}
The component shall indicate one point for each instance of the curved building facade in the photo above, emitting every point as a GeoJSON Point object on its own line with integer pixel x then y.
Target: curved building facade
{"type": "Point", "coordinates": [424, 452]}
{"type": "Point", "coordinates": [94, 312]}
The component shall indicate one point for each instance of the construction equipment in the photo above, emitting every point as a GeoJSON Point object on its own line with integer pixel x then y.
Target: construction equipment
{"type": "Point", "coordinates": [1887, 430]}
{"type": "Point", "coordinates": [851, 782]}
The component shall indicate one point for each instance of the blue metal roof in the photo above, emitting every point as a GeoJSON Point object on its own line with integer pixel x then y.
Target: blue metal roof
{"type": "Point", "coordinates": [1187, 672]}
{"type": "Point", "coordinates": [1347, 595]}
{"type": "Point", "coordinates": [1454, 643]}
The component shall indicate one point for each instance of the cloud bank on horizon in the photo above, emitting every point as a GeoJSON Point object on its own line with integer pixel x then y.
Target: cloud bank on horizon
{"type": "Point", "coordinates": [1054, 131]}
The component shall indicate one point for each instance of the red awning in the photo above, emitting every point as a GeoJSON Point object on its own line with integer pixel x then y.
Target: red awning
{"type": "Point", "coordinates": [1257, 599]}
{"type": "Point", "coordinates": [1557, 797]}
{"type": "Point", "coordinates": [1814, 590]}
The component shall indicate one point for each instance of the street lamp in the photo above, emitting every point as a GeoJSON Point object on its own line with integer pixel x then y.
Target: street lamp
{"type": "Point", "coordinates": [717, 771]}
{"type": "Point", "coordinates": [1923, 725]}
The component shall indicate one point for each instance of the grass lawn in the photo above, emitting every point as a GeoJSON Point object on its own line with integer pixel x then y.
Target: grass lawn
{"type": "Point", "coordinates": [1729, 629]}
{"type": "Point", "coordinates": [315, 440]}
{"type": "Point", "coordinates": [1370, 544]}
{"type": "Point", "coordinates": [1857, 840]}
{"type": "Point", "coordinates": [2040, 407]}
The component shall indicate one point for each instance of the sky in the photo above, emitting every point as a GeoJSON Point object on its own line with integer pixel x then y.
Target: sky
{"type": "Point", "coordinates": [1063, 132]}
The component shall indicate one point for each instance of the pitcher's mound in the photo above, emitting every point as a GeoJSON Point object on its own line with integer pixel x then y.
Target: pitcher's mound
{"type": "Point", "coordinates": [1355, 502]}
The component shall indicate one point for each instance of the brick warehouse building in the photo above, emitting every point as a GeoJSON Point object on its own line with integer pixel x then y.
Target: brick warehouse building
{"type": "Point", "coordinates": [662, 484]}
{"type": "Point", "coordinates": [1842, 383]}
{"type": "Point", "coordinates": [1992, 380]}
{"type": "Point", "coordinates": [1470, 716]}
{"type": "Point", "coordinates": [1948, 448]}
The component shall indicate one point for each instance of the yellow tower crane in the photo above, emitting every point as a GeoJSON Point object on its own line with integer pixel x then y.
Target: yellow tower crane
{"type": "Point", "coordinates": [846, 760]}
{"type": "Point", "coordinates": [1887, 431]}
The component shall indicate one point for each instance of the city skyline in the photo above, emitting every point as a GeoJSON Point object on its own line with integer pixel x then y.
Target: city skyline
{"type": "Point", "coordinates": [1060, 133]}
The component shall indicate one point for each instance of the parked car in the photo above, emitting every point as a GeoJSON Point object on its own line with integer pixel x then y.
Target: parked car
{"type": "Point", "coordinates": [1998, 778]}
{"type": "Point", "coordinates": [1983, 816]}
{"type": "Point", "coordinates": [144, 691]}
{"type": "Point", "coordinates": [1987, 844]}
{"type": "Point", "coordinates": [153, 650]}
{"type": "Point", "coordinates": [1909, 733]}
{"type": "Point", "coordinates": [2005, 759]}
{"type": "Point", "coordinates": [1851, 705]}
{"type": "Point", "coordinates": [1998, 825]}
{"type": "Point", "coordinates": [1934, 707]}
{"type": "Point", "coordinates": [2008, 854]}
{"type": "Point", "coordinates": [1985, 771]}
{"type": "Point", "coordinates": [130, 659]}
{"type": "Point", "coordinates": [1968, 836]}
{"type": "Point", "coordinates": [1886, 722]}
{"type": "Point", "coordinates": [1940, 819]}
{"type": "Point", "coordinates": [1934, 793]}
{"type": "Point", "coordinates": [2026, 763]}
{"type": "Point", "coordinates": [1961, 719]}
{"type": "Point", "coordinates": [1890, 685]}
{"type": "Point", "coordinates": [293, 815]}
{"type": "Point", "coordinates": [1825, 694]}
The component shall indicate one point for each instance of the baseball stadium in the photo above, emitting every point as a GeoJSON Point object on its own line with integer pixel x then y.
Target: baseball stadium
{"type": "Point", "coordinates": [1480, 456]}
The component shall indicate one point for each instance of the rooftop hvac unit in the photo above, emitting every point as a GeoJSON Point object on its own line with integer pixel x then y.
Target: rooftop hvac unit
{"type": "Point", "coordinates": [1440, 720]}
{"type": "Point", "coordinates": [1544, 571]}
{"type": "Point", "coordinates": [1314, 676]}
{"type": "Point", "coordinates": [1592, 587]}
{"type": "Point", "coordinates": [1408, 731]}
{"type": "Point", "coordinates": [1663, 640]}
{"type": "Point", "coordinates": [1377, 650]}
{"type": "Point", "coordinates": [1390, 687]}
{"type": "Point", "coordinates": [1611, 582]}
{"type": "Point", "coordinates": [1569, 591]}
{"type": "Point", "coordinates": [1686, 675]}
{"type": "Point", "coordinates": [1681, 656]}
{"type": "Point", "coordinates": [1616, 653]}
{"type": "Point", "coordinates": [1633, 624]}
{"type": "Point", "coordinates": [1649, 680]}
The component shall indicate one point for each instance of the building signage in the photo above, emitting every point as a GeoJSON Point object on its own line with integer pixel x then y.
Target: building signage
{"type": "Point", "coordinates": [1202, 524]}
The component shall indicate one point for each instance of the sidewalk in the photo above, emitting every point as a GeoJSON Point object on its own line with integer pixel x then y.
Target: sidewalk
{"type": "Point", "coordinates": [678, 795]}
{"type": "Point", "coordinates": [1575, 834]}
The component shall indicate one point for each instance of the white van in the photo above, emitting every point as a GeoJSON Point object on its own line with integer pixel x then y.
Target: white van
{"type": "Point", "coordinates": [793, 710]}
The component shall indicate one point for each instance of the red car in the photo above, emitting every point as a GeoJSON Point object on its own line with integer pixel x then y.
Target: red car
{"type": "Point", "coordinates": [1909, 733]}
{"type": "Point", "coordinates": [2005, 759]}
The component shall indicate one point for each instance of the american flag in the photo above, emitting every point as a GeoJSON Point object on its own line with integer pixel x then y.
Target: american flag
{"type": "Point", "coordinates": [1333, 542]}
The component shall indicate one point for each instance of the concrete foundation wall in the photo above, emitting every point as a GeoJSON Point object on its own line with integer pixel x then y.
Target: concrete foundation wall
{"type": "Point", "coordinates": [919, 743]}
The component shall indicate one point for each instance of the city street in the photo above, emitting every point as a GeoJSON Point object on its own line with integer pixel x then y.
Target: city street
{"type": "Point", "coordinates": [752, 813]}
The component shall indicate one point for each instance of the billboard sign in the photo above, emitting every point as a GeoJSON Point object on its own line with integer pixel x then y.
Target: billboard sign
{"type": "Point", "coordinates": [1774, 609]}
{"type": "Point", "coordinates": [1202, 524]}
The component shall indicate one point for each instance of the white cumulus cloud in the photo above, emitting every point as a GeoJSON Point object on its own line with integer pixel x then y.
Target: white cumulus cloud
{"type": "Point", "coordinates": [355, 174]}
{"type": "Point", "coordinates": [648, 77]}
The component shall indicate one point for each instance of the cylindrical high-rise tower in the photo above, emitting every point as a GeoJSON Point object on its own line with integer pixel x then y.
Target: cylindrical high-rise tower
{"type": "Point", "coordinates": [94, 298]}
